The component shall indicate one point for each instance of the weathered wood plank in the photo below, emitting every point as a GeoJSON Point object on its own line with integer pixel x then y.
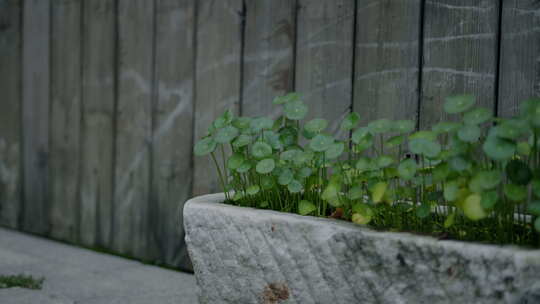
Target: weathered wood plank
{"type": "Point", "coordinates": [172, 131]}
{"type": "Point", "coordinates": [65, 119]}
{"type": "Point", "coordinates": [218, 69]}
{"type": "Point", "coordinates": [10, 112]}
{"type": "Point", "coordinates": [97, 134]}
{"type": "Point", "coordinates": [35, 96]}
{"type": "Point", "coordinates": [386, 74]}
{"type": "Point", "coordinates": [324, 58]}
{"type": "Point", "coordinates": [520, 54]}
{"type": "Point", "coordinates": [133, 136]}
{"type": "Point", "coordinates": [268, 68]}
{"type": "Point", "coordinates": [460, 41]}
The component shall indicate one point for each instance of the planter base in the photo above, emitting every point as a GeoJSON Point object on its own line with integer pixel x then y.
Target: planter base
{"type": "Point", "coordinates": [243, 255]}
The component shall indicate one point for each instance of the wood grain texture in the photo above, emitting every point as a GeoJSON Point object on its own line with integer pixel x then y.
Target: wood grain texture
{"type": "Point", "coordinates": [35, 96]}
{"type": "Point", "coordinates": [10, 112]}
{"type": "Point", "coordinates": [172, 130]}
{"type": "Point", "coordinates": [65, 119]}
{"type": "Point", "coordinates": [520, 54]}
{"type": "Point", "coordinates": [97, 132]}
{"type": "Point", "coordinates": [133, 136]}
{"type": "Point", "coordinates": [218, 69]}
{"type": "Point", "coordinates": [268, 68]}
{"type": "Point", "coordinates": [460, 41]}
{"type": "Point", "coordinates": [324, 58]}
{"type": "Point", "coordinates": [386, 75]}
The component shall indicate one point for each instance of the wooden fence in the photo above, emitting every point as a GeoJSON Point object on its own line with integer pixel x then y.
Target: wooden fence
{"type": "Point", "coordinates": [101, 100]}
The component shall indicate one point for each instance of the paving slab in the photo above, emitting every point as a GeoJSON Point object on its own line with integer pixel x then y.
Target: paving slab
{"type": "Point", "coordinates": [77, 275]}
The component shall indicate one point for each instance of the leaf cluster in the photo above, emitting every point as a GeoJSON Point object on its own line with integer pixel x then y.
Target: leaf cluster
{"type": "Point", "coordinates": [475, 177]}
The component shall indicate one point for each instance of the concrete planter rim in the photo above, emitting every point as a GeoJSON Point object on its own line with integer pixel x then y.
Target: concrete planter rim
{"type": "Point", "coordinates": [216, 200]}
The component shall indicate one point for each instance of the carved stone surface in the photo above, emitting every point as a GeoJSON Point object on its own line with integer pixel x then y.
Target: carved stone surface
{"type": "Point", "coordinates": [243, 255]}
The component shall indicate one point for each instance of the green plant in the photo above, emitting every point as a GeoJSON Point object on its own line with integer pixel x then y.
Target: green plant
{"type": "Point", "coordinates": [474, 178]}
{"type": "Point", "coordinates": [20, 280]}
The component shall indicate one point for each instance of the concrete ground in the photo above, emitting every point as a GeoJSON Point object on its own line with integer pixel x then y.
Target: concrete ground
{"type": "Point", "coordinates": [75, 275]}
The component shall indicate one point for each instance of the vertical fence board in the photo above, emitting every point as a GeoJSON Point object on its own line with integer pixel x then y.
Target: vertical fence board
{"type": "Point", "coordinates": [35, 96]}
{"type": "Point", "coordinates": [97, 139]}
{"type": "Point", "coordinates": [65, 118]}
{"type": "Point", "coordinates": [218, 69]}
{"type": "Point", "coordinates": [386, 75]}
{"type": "Point", "coordinates": [520, 54]}
{"type": "Point", "coordinates": [132, 170]}
{"type": "Point", "coordinates": [172, 136]}
{"type": "Point", "coordinates": [10, 113]}
{"type": "Point", "coordinates": [460, 41]}
{"type": "Point", "coordinates": [324, 58]}
{"type": "Point", "coordinates": [268, 67]}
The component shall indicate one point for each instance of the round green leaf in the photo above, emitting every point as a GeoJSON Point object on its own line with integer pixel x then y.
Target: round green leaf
{"type": "Point", "coordinates": [451, 191]}
{"type": "Point", "coordinates": [489, 199]}
{"type": "Point", "coordinates": [380, 126]}
{"type": "Point", "coordinates": [425, 147]}
{"type": "Point", "coordinates": [295, 110]}
{"type": "Point", "coordinates": [523, 148]}
{"type": "Point", "coordinates": [316, 125]}
{"type": "Point", "coordinates": [364, 164]}
{"type": "Point", "coordinates": [459, 163]}
{"type": "Point", "coordinates": [321, 142]}
{"type": "Point", "coordinates": [428, 135]}
{"type": "Point", "coordinates": [489, 179]}
{"type": "Point", "coordinates": [303, 157]}
{"type": "Point", "coordinates": [253, 189]}
{"type": "Point", "coordinates": [362, 214]}
{"type": "Point", "coordinates": [204, 146]}
{"type": "Point", "coordinates": [306, 207]}
{"type": "Point", "coordinates": [242, 122]}
{"type": "Point", "coordinates": [244, 167]}
{"type": "Point", "coordinates": [294, 186]}
{"type": "Point", "coordinates": [287, 98]}
{"type": "Point", "coordinates": [469, 133]}
{"type": "Point", "coordinates": [304, 172]}
{"type": "Point", "coordinates": [407, 169]}
{"type": "Point", "coordinates": [364, 143]}
{"type": "Point", "coordinates": [226, 134]}
{"type": "Point", "coordinates": [261, 149]}
{"type": "Point", "coordinates": [265, 166]}
{"type": "Point", "coordinates": [512, 128]}
{"type": "Point", "coordinates": [498, 148]}
{"type": "Point", "coordinates": [514, 192]}
{"type": "Point", "coordinates": [395, 141]}
{"type": "Point", "coordinates": [404, 126]}
{"type": "Point", "coordinates": [285, 177]}
{"type": "Point", "coordinates": [272, 138]}
{"type": "Point", "coordinates": [534, 208]}
{"type": "Point", "coordinates": [384, 161]}
{"type": "Point", "coordinates": [335, 150]}
{"type": "Point", "coordinates": [423, 211]}
{"type": "Point", "coordinates": [377, 191]}
{"type": "Point", "coordinates": [445, 127]}
{"type": "Point", "coordinates": [289, 155]}
{"type": "Point", "coordinates": [261, 123]}
{"type": "Point", "coordinates": [441, 172]}
{"type": "Point", "coordinates": [458, 104]}
{"type": "Point", "coordinates": [235, 161]}
{"type": "Point", "coordinates": [518, 172]}
{"type": "Point", "coordinates": [477, 116]}
{"type": "Point", "coordinates": [355, 193]}
{"type": "Point", "coordinates": [267, 182]}
{"type": "Point", "coordinates": [359, 134]}
{"type": "Point", "coordinates": [350, 121]}
{"type": "Point", "coordinates": [241, 141]}
{"type": "Point", "coordinates": [472, 207]}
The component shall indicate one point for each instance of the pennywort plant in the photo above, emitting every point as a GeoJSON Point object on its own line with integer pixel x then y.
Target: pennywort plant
{"type": "Point", "coordinates": [476, 177]}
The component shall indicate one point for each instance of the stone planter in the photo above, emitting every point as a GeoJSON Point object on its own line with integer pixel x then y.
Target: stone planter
{"type": "Point", "coordinates": [244, 255]}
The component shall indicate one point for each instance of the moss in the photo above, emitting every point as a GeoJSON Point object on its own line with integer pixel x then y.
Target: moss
{"type": "Point", "coordinates": [20, 280]}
